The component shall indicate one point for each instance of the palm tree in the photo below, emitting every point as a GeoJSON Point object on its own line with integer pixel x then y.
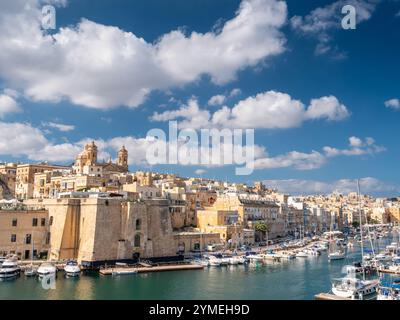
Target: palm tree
{"type": "Point", "coordinates": [262, 227]}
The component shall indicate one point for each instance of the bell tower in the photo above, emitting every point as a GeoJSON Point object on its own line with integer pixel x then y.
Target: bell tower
{"type": "Point", "coordinates": [123, 157]}
{"type": "Point", "coordinates": [91, 153]}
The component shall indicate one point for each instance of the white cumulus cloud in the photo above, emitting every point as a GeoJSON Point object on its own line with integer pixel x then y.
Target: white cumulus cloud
{"type": "Point", "coordinates": [267, 110]}
{"type": "Point", "coordinates": [8, 105]}
{"type": "Point", "coordinates": [321, 22]}
{"type": "Point", "coordinates": [393, 104]}
{"type": "Point", "coordinates": [368, 185]}
{"type": "Point", "coordinates": [101, 66]}
{"type": "Point", "coordinates": [357, 147]}
{"type": "Point", "coordinates": [217, 100]}
{"type": "Point", "coordinates": [59, 126]}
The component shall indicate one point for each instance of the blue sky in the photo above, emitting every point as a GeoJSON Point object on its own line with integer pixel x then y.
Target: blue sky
{"type": "Point", "coordinates": [356, 70]}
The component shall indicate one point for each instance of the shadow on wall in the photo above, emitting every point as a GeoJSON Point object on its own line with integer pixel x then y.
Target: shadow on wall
{"type": "Point", "coordinates": [5, 192]}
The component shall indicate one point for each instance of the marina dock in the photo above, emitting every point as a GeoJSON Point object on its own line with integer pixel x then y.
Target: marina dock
{"type": "Point", "coordinates": [388, 271]}
{"type": "Point", "coordinates": [179, 267]}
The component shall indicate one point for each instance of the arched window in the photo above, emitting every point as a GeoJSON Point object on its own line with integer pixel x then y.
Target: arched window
{"type": "Point", "coordinates": [138, 224]}
{"type": "Point", "coordinates": [137, 240]}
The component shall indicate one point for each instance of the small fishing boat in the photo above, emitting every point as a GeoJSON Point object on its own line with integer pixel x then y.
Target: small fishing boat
{"type": "Point", "coordinates": [127, 272]}
{"type": "Point", "coordinates": [30, 271]}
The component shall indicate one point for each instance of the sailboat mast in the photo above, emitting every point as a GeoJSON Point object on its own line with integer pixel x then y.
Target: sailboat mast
{"type": "Point", "coordinates": [361, 228]}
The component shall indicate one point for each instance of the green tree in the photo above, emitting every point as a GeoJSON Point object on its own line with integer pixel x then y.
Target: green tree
{"type": "Point", "coordinates": [261, 226]}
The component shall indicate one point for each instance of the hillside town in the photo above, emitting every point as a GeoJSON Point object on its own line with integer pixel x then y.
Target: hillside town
{"type": "Point", "coordinates": [95, 212]}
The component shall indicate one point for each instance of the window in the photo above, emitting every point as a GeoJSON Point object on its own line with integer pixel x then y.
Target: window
{"type": "Point", "coordinates": [51, 221]}
{"type": "Point", "coordinates": [13, 238]}
{"type": "Point", "coordinates": [34, 222]}
{"type": "Point", "coordinates": [28, 239]}
{"type": "Point", "coordinates": [138, 224]}
{"type": "Point", "coordinates": [137, 241]}
{"type": "Point", "coordinates": [48, 237]}
{"type": "Point", "coordinates": [43, 222]}
{"type": "Point", "coordinates": [14, 222]}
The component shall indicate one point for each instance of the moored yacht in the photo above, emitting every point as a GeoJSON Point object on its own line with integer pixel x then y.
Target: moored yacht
{"type": "Point", "coordinates": [255, 259]}
{"type": "Point", "coordinates": [10, 268]}
{"type": "Point", "coordinates": [72, 269]}
{"type": "Point", "coordinates": [354, 288]}
{"type": "Point", "coordinates": [337, 255]}
{"type": "Point", "coordinates": [391, 292]}
{"type": "Point", "coordinates": [46, 269]}
{"type": "Point", "coordinates": [213, 261]}
{"type": "Point", "coordinates": [301, 254]}
{"type": "Point", "coordinates": [286, 255]}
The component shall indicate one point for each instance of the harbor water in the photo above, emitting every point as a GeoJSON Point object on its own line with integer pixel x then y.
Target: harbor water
{"type": "Point", "coordinates": [299, 279]}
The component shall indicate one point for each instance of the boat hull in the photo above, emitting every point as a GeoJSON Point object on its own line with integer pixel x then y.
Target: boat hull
{"type": "Point", "coordinates": [10, 274]}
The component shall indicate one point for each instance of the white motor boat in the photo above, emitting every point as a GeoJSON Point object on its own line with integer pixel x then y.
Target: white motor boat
{"type": "Point", "coordinates": [395, 266]}
{"type": "Point", "coordinates": [203, 262]}
{"type": "Point", "coordinates": [351, 287]}
{"type": "Point", "coordinates": [240, 259]}
{"type": "Point", "coordinates": [233, 261]}
{"type": "Point", "coordinates": [72, 269]}
{"type": "Point", "coordinates": [214, 261]}
{"type": "Point", "coordinates": [30, 271]}
{"type": "Point", "coordinates": [301, 254]}
{"type": "Point", "coordinates": [382, 257]}
{"type": "Point", "coordinates": [389, 292]}
{"type": "Point", "coordinates": [46, 269]}
{"type": "Point", "coordinates": [124, 272]}
{"type": "Point", "coordinates": [312, 252]}
{"type": "Point", "coordinates": [337, 255]}
{"type": "Point", "coordinates": [255, 259]}
{"type": "Point", "coordinates": [10, 268]}
{"type": "Point", "coordinates": [286, 255]}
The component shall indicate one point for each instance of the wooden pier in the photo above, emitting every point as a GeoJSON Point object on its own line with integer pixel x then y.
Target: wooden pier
{"type": "Point", "coordinates": [178, 267]}
{"type": "Point", "coordinates": [388, 271]}
{"type": "Point", "coordinates": [328, 296]}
